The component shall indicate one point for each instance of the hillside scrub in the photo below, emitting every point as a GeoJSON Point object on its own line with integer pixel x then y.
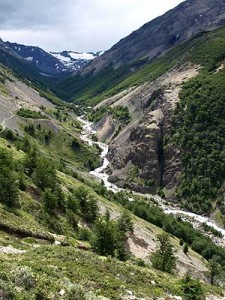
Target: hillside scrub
{"type": "Point", "coordinates": [29, 114]}
{"type": "Point", "coordinates": [119, 113]}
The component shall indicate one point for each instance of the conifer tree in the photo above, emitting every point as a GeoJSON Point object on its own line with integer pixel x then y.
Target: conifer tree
{"type": "Point", "coordinates": [164, 258]}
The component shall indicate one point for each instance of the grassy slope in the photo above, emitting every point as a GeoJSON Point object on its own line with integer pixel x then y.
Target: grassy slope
{"type": "Point", "coordinates": [51, 268]}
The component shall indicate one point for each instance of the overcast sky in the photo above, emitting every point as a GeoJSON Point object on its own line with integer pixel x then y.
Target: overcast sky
{"type": "Point", "coordinates": [81, 25]}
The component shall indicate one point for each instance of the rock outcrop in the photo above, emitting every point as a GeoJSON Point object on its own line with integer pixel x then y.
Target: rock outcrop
{"type": "Point", "coordinates": [142, 157]}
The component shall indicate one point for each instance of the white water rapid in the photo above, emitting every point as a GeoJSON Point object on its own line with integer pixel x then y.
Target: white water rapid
{"type": "Point", "coordinates": [196, 220]}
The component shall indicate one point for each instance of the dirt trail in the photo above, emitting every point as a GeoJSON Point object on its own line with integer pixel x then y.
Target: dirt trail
{"type": "Point", "coordinates": [12, 115]}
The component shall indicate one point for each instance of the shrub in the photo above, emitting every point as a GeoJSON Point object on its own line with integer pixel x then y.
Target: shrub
{"type": "Point", "coordinates": [24, 277]}
{"type": "Point", "coordinates": [104, 237]}
{"type": "Point", "coordinates": [26, 113]}
{"type": "Point", "coordinates": [87, 204]}
{"type": "Point", "coordinates": [125, 223]}
{"type": "Point", "coordinates": [191, 288]}
{"type": "Point", "coordinates": [84, 234]}
{"type": "Point", "coordinates": [49, 199]}
{"type": "Point", "coordinates": [185, 249]}
{"type": "Point", "coordinates": [45, 174]}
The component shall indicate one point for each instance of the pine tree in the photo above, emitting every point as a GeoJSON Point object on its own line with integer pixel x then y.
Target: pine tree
{"type": "Point", "coordinates": [164, 258]}
{"type": "Point", "coordinates": [9, 185]}
{"type": "Point", "coordinates": [125, 223]}
{"type": "Point", "coordinates": [214, 269]}
{"type": "Point", "coordinates": [87, 204]}
{"type": "Point", "coordinates": [30, 162]}
{"type": "Point", "coordinates": [45, 174]}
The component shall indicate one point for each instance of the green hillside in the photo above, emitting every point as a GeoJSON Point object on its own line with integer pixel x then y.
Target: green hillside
{"type": "Point", "coordinates": [63, 235]}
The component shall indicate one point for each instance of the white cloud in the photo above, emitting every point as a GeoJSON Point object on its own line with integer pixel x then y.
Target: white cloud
{"type": "Point", "coordinates": [82, 25]}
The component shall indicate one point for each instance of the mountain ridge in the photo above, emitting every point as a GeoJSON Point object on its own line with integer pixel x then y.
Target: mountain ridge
{"type": "Point", "coordinates": [164, 32]}
{"type": "Point", "coordinates": [141, 48]}
{"type": "Point", "coordinates": [51, 63]}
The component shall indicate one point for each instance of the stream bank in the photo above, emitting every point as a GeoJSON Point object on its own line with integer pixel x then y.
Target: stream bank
{"type": "Point", "coordinates": [99, 173]}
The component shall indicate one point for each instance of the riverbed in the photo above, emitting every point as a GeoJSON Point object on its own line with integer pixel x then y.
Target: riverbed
{"type": "Point", "coordinates": [100, 173]}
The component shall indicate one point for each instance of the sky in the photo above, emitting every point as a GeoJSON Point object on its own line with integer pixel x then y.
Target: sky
{"type": "Point", "coordinates": [80, 25]}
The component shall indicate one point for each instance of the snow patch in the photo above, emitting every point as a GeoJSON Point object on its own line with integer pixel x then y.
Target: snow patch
{"type": "Point", "coordinates": [61, 57]}
{"type": "Point", "coordinates": [73, 60]}
{"type": "Point", "coordinates": [80, 56]}
{"type": "Point", "coordinates": [30, 58]}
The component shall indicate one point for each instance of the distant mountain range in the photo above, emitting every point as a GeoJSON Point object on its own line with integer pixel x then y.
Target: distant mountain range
{"type": "Point", "coordinates": [53, 63]}
{"type": "Point", "coordinates": [73, 60]}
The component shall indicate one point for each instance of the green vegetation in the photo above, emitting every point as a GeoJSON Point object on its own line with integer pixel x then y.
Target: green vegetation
{"type": "Point", "coordinates": [109, 237]}
{"type": "Point", "coordinates": [164, 259]}
{"type": "Point", "coordinates": [53, 202]}
{"type": "Point", "coordinates": [192, 288]}
{"type": "Point", "coordinates": [61, 142]}
{"type": "Point", "coordinates": [26, 113]}
{"type": "Point", "coordinates": [185, 248]}
{"type": "Point", "coordinates": [214, 269]}
{"type": "Point", "coordinates": [89, 86]}
{"type": "Point", "coordinates": [45, 205]}
{"type": "Point", "coordinates": [87, 205]}
{"type": "Point", "coordinates": [119, 113]}
{"type": "Point", "coordinates": [44, 272]}
{"type": "Point", "coordinates": [8, 180]}
{"type": "Point", "coordinates": [97, 114]}
{"type": "Point", "coordinates": [199, 130]}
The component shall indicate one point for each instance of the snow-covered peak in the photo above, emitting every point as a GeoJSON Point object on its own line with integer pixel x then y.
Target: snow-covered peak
{"type": "Point", "coordinates": [75, 60]}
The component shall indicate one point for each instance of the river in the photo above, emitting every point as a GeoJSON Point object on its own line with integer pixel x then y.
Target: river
{"type": "Point", "coordinates": [99, 173]}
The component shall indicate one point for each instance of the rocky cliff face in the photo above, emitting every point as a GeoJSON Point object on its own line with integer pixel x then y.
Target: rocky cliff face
{"type": "Point", "coordinates": [159, 35]}
{"type": "Point", "coordinates": [143, 157]}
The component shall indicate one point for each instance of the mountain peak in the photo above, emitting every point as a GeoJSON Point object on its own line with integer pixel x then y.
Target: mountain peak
{"type": "Point", "coordinates": [164, 32]}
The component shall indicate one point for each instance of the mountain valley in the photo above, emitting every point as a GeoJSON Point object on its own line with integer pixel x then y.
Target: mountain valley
{"type": "Point", "coordinates": [112, 165]}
